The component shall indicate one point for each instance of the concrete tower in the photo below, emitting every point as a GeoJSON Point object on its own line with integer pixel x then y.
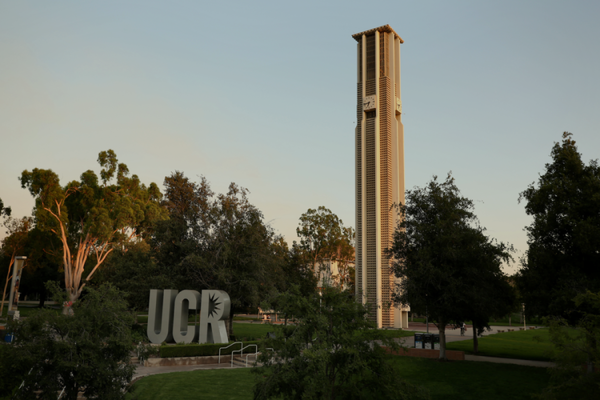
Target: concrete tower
{"type": "Point", "coordinates": [379, 169]}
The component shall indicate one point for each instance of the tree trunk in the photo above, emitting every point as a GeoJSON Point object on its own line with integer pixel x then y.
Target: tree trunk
{"type": "Point", "coordinates": [442, 330]}
{"type": "Point", "coordinates": [43, 296]}
{"type": "Point", "coordinates": [509, 320]}
{"type": "Point", "coordinates": [68, 305]}
{"type": "Point", "coordinates": [475, 342]}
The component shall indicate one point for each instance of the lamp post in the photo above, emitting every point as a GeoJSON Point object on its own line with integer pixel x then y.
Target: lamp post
{"type": "Point", "coordinates": [426, 314]}
{"type": "Point", "coordinates": [524, 323]}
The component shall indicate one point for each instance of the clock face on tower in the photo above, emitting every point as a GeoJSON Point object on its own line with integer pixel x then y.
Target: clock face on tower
{"type": "Point", "coordinates": [398, 106]}
{"type": "Point", "coordinates": [369, 103]}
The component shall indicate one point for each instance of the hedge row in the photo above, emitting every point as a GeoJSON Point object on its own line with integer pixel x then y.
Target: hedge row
{"type": "Point", "coordinates": [197, 350]}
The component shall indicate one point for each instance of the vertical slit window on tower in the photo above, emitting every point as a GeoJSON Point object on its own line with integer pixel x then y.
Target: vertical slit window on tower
{"type": "Point", "coordinates": [371, 114]}
{"type": "Point", "coordinates": [371, 57]}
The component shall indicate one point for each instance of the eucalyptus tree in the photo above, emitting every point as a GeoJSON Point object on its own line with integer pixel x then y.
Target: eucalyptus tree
{"type": "Point", "coordinates": [92, 216]}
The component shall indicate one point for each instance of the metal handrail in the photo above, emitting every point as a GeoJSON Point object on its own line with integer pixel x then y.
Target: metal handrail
{"type": "Point", "coordinates": [248, 355]}
{"type": "Point", "coordinates": [223, 348]}
{"type": "Point", "coordinates": [255, 354]}
{"type": "Point", "coordinates": [242, 352]}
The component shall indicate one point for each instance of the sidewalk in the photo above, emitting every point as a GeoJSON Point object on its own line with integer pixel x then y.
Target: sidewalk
{"type": "Point", "coordinates": [498, 360]}
{"type": "Point", "coordinates": [452, 335]}
{"type": "Point", "coordinates": [142, 371]}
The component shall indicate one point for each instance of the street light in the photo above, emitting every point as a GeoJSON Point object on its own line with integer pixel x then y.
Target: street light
{"type": "Point", "coordinates": [426, 313]}
{"type": "Point", "coordinates": [524, 323]}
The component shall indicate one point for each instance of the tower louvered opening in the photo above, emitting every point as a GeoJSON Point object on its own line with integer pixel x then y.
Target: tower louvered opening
{"type": "Point", "coordinates": [371, 217]}
{"type": "Point", "coordinates": [386, 199]}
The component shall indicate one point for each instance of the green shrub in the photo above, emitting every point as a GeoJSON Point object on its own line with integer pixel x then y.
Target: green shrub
{"type": "Point", "coordinates": [197, 350]}
{"type": "Point", "coordinates": [139, 334]}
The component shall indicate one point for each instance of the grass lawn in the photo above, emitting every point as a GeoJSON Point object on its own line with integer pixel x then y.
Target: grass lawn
{"type": "Point", "coordinates": [518, 344]}
{"type": "Point", "coordinates": [233, 384]}
{"type": "Point", "coordinates": [259, 331]}
{"type": "Point", "coordinates": [462, 380]}
{"type": "Point", "coordinates": [26, 310]}
{"type": "Point", "coordinates": [466, 380]}
{"type": "Point", "coordinates": [243, 331]}
{"type": "Point", "coordinates": [246, 318]}
{"type": "Point", "coordinates": [247, 331]}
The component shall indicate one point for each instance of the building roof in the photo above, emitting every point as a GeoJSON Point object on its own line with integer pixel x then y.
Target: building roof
{"type": "Point", "coordinates": [384, 28]}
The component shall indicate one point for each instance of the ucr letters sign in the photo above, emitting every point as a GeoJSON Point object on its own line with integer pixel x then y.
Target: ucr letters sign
{"type": "Point", "coordinates": [168, 316]}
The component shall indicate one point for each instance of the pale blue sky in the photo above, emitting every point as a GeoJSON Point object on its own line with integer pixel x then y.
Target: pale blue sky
{"type": "Point", "coordinates": [262, 93]}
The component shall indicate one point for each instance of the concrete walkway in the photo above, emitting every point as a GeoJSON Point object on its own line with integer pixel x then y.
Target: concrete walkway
{"type": "Point", "coordinates": [141, 371]}
{"type": "Point", "coordinates": [498, 360]}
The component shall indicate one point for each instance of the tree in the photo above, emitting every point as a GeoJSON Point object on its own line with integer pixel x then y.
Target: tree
{"type": "Point", "coordinates": [324, 238]}
{"type": "Point", "coordinates": [564, 237]}
{"type": "Point", "coordinates": [240, 252]}
{"type": "Point", "coordinates": [331, 352]}
{"type": "Point", "coordinates": [296, 271]}
{"type": "Point", "coordinates": [187, 230]}
{"type": "Point", "coordinates": [577, 352]}
{"type": "Point", "coordinates": [490, 294]}
{"type": "Point", "coordinates": [91, 217]}
{"type": "Point", "coordinates": [218, 241]}
{"type": "Point", "coordinates": [43, 264]}
{"type": "Point", "coordinates": [135, 271]}
{"type": "Point", "coordinates": [87, 352]}
{"type": "Point", "coordinates": [445, 263]}
{"type": "Point", "coordinates": [4, 211]}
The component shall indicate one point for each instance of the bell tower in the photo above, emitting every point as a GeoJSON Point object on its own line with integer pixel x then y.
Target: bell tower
{"type": "Point", "coordinates": [379, 170]}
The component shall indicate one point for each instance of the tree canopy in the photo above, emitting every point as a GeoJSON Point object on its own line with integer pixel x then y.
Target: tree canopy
{"type": "Point", "coordinates": [92, 215]}
{"type": "Point", "coordinates": [87, 352]}
{"type": "Point", "coordinates": [564, 237]}
{"type": "Point", "coordinates": [447, 266]}
{"type": "Point", "coordinates": [4, 211]}
{"type": "Point", "coordinates": [577, 352]}
{"type": "Point", "coordinates": [219, 241]}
